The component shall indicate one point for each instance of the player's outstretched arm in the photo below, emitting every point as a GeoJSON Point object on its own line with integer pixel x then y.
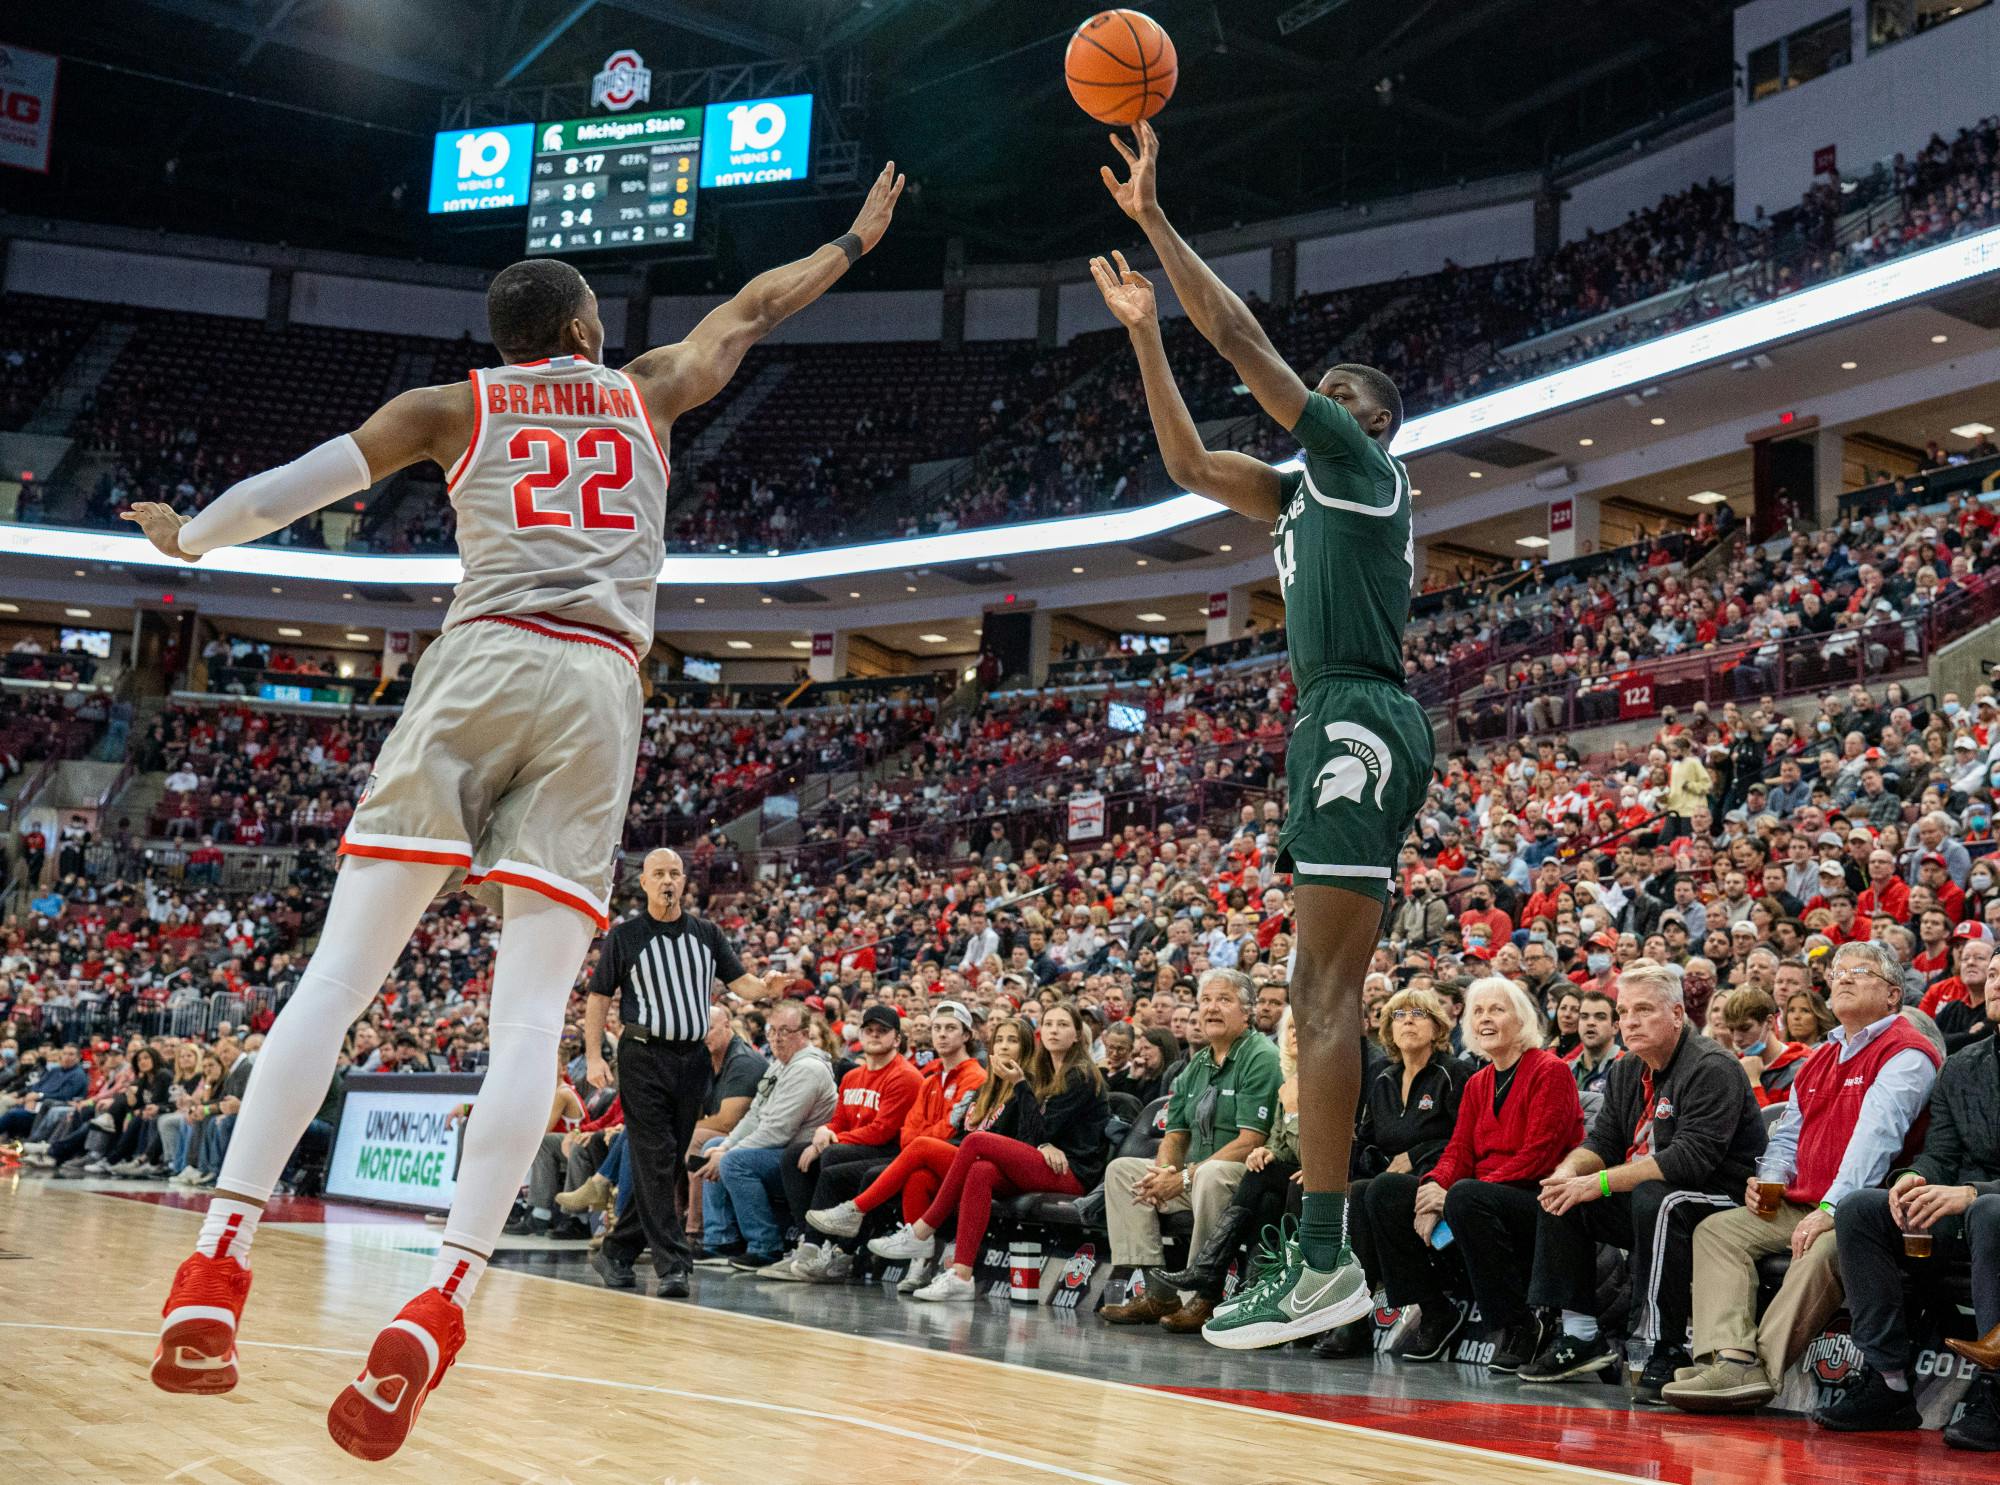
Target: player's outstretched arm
{"type": "Point", "coordinates": [418, 424]}
{"type": "Point", "coordinates": [675, 378]}
{"type": "Point", "coordinates": [1246, 485]}
{"type": "Point", "coordinates": [1215, 309]}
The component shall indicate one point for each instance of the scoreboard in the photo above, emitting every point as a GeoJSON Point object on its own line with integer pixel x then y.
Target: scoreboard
{"type": "Point", "coordinates": [617, 182]}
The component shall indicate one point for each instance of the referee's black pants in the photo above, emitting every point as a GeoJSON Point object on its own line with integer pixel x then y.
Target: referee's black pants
{"type": "Point", "coordinates": [814, 1187]}
{"type": "Point", "coordinates": [663, 1086]}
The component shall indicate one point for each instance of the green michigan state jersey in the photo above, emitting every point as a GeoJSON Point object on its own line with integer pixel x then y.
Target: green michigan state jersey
{"type": "Point", "coordinates": [1345, 549]}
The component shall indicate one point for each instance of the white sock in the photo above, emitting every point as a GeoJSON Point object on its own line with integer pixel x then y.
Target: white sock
{"type": "Point", "coordinates": [1897, 1380]}
{"type": "Point", "coordinates": [227, 1229]}
{"type": "Point", "coordinates": [375, 906]}
{"type": "Point", "coordinates": [1583, 1327]}
{"type": "Point", "coordinates": [542, 945]}
{"type": "Point", "coordinates": [456, 1271]}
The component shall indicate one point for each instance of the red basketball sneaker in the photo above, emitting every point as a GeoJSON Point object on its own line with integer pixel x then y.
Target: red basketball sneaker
{"type": "Point", "coordinates": [376, 1412]}
{"type": "Point", "coordinates": [197, 1351]}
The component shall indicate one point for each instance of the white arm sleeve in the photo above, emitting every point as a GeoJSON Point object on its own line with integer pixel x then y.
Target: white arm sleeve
{"type": "Point", "coordinates": [274, 499]}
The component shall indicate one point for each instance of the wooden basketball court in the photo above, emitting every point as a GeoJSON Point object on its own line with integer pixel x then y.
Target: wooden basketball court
{"type": "Point", "coordinates": [560, 1381]}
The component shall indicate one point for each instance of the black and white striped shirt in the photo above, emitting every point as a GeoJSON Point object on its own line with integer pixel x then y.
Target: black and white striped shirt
{"type": "Point", "coordinates": [662, 973]}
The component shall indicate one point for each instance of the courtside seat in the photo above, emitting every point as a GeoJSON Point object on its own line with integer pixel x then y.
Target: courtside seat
{"type": "Point", "coordinates": [1048, 1209]}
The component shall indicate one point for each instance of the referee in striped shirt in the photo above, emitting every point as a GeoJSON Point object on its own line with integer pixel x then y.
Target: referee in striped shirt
{"type": "Point", "coordinates": [661, 965]}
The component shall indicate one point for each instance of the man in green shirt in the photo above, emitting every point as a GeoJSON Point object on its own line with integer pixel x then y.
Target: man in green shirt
{"type": "Point", "coordinates": [1221, 1108]}
{"type": "Point", "coordinates": [1358, 764]}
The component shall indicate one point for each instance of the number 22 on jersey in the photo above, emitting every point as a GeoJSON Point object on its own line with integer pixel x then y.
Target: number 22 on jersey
{"type": "Point", "coordinates": [551, 457]}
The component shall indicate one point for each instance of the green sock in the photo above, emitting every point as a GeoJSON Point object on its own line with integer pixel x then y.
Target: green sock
{"type": "Point", "coordinates": [1323, 1230]}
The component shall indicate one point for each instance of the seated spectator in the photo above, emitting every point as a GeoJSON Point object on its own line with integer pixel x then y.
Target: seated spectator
{"type": "Point", "coordinates": [738, 1070]}
{"type": "Point", "coordinates": [47, 1100]}
{"type": "Point", "coordinates": [1407, 1117]}
{"type": "Point", "coordinates": [1807, 1018]}
{"type": "Point", "coordinates": [874, 1100]}
{"type": "Point", "coordinates": [1854, 1105]}
{"type": "Point", "coordinates": [1271, 1189]}
{"type": "Point", "coordinates": [1049, 1137]}
{"type": "Point", "coordinates": [1220, 1110]}
{"type": "Point", "coordinates": [941, 1116]}
{"type": "Point", "coordinates": [1597, 1050]}
{"type": "Point", "coordinates": [1156, 1058]}
{"type": "Point", "coordinates": [1750, 1016]}
{"type": "Point", "coordinates": [1518, 1117]}
{"type": "Point", "coordinates": [741, 1225]}
{"type": "Point", "coordinates": [1953, 1001]}
{"type": "Point", "coordinates": [1677, 1137]}
{"type": "Point", "coordinates": [1951, 1190]}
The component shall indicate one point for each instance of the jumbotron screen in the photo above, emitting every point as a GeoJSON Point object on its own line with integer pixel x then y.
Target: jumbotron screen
{"type": "Point", "coordinates": [615, 182]}
{"type": "Point", "coordinates": [634, 180]}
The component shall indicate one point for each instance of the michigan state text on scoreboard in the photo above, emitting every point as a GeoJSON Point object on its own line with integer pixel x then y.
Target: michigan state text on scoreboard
{"type": "Point", "coordinates": [398, 1138]}
{"type": "Point", "coordinates": [634, 179]}
{"type": "Point", "coordinates": [615, 182]}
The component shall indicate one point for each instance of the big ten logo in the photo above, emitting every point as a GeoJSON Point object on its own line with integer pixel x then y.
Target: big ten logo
{"type": "Point", "coordinates": [755, 126]}
{"type": "Point", "coordinates": [1833, 1358]}
{"type": "Point", "coordinates": [482, 155]}
{"type": "Point", "coordinates": [1074, 1281]}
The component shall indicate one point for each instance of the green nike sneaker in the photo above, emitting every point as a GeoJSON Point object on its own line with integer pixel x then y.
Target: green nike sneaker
{"type": "Point", "coordinates": [1290, 1303]}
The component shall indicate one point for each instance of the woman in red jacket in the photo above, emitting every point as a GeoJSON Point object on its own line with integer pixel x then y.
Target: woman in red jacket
{"type": "Point", "coordinates": [1517, 1119]}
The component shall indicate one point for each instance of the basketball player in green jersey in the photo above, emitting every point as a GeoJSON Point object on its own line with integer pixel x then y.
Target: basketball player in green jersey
{"type": "Point", "coordinates": [1358, 764]}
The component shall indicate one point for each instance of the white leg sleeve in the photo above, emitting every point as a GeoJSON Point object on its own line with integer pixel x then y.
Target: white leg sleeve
{"type": "Point", "coordinates": [375, 906]}
{"type": "Point", "coordinates": [542, 945]}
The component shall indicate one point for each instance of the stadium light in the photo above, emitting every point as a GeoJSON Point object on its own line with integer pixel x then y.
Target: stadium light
{"type": "Point", "coordinates": [1732, 335]}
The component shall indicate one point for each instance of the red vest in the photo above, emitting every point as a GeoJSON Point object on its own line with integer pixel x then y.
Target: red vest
{"type": "Point", "coordinates": [1829, 1092]}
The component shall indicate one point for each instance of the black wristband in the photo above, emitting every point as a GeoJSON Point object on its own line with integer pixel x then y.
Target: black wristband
{"type": "Point", "coordinates": [849, 244]}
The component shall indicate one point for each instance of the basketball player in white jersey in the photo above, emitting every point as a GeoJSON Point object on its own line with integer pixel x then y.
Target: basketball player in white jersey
{"type": "Point", "coordinates": [507, 773]}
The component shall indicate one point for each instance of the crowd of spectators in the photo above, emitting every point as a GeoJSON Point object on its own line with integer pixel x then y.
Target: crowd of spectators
{"type": "Point", "coordinates": [1064, 430]}
{"type": "Point", "coordinates": [1738, 880]}
{"type": "Point", "coordinates": [1791, 614]}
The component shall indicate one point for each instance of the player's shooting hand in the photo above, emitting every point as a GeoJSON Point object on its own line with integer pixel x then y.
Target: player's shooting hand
{"type": "Point", "coordinates": [873, 219]}
{"type": "Point", "coordinates": [1136, 196]}
{"type": "Point", "coordinates": [1128, 295]}
{"type": "Point", "coordinates": [162, 526]}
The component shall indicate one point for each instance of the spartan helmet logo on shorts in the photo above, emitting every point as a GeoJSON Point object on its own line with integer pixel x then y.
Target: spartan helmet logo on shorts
{"type": "Point", "coordinates": [1359, 756]}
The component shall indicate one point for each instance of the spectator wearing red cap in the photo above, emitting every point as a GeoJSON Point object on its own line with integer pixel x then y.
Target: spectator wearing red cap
{"type": "Point", "coordinates": [1934, 872]}
{"type": "Point", "coordinates": [874, 1100]}
{"type": "Point", "coordinates": [1956, 1002]}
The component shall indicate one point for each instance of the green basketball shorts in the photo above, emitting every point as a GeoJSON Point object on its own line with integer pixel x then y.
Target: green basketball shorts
{"type": "Point", "coordinates": [1357, 770]}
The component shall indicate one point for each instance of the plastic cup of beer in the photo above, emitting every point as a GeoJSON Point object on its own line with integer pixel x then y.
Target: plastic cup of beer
{"type": "Point", "coordinates": [1770, 1196]}
{"type": "Point", "coordinates": [1916, 1244]}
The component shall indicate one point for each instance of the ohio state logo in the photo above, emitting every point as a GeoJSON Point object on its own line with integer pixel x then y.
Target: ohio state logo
{"type": "Point", "coordinates": [1833, 1358]}
{"type": "Point", "coordinates": [625, 80]}
{"type": "Point", "coordinates": [1075, 1278]}
{"type": "Point", "coordinates": [1076, 1273]}
{"type": "Point", "coordinates": [1387, 1315]}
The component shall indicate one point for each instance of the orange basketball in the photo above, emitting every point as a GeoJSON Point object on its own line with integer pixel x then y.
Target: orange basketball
{"type": "Point", "coordinates": [1121, 67]}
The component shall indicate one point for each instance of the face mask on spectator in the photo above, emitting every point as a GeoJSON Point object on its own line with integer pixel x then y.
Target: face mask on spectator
{"type": "Point", "coordinates": [1598, 963]}
{"type": "Point", "coordinates": [1824, 725]}
{"type": "Point", "coordinates": [1981, 882]}
{"type": "Point", "coordinates": [1951, 708]}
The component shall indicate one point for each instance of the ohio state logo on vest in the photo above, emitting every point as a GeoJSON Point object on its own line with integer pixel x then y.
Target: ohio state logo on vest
{"type": "Point", "coordinates": [625, 80]}
{"type": "Point", "coordinates": [1833, 1357]}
